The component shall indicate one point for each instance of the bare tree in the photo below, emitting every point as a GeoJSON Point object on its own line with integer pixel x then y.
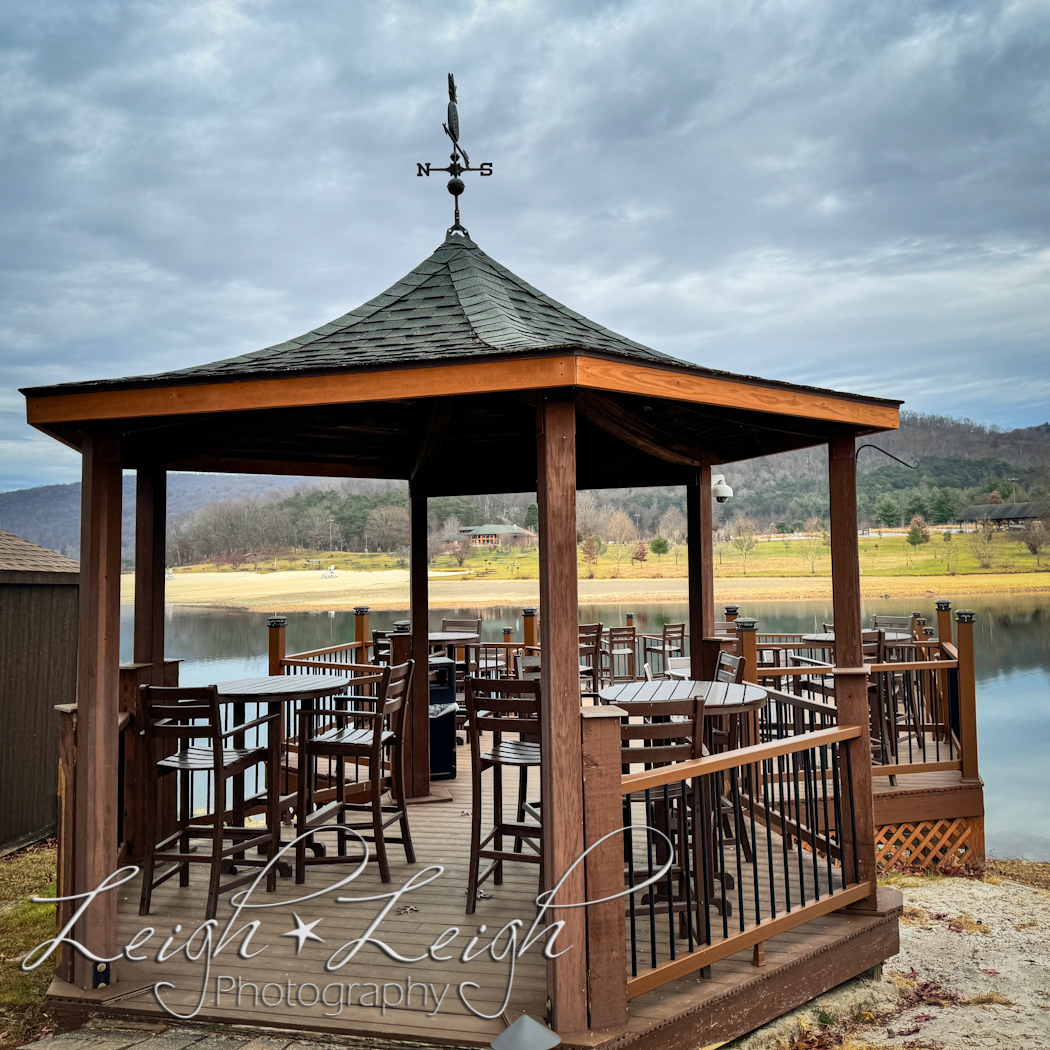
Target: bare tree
{"type": "Point", "coordinates": [388, 527]}
{"type": "Point", "coordinates": [588, 513]}
{"type": "Point", "coordinates": [1035, 536]}
{"type": "Point", "coordinates": [674, 528]}
{"type": "Point", "coordinates": [982, 544]}
{"type": "Point", "coordinates": [620, 531]}
{"type": "Point", "coordinates": [810, 549]}
{"type": "Point", "coordinates": [743, 540]}
{"type": "Point", "coordinates": [461, 551]}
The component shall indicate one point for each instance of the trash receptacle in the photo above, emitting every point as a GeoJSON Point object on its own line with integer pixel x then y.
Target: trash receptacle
{"type": "Point", "coordinates": [443, 741]}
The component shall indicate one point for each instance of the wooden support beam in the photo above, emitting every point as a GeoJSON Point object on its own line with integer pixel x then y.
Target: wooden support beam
{"type": "Point", "coordinates": [417, 760]}
{"type": "Point", "coordinates": [277, 627]}
{"type": "Point", "coordinates": [98, 707]}
{"type": "Point", "coordinates": [151, 510]}
{"type": "Point", "coordinates": [700, 568]}
{"type": "Point", "coordinates": [362, 634]}
{"type": "Point", "coordinates": [561, 769]}
{"type": "Point", "coordinates": [851, 680]}
{"type": "Point", "coordinates": [964, 620]}
{"type": "Point", "coordinates": [603, 815]}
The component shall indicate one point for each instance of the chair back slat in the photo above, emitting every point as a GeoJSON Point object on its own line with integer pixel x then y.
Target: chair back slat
{"type": "Point", "coordinates": [891, 623]}
{"type": "Point", "coordinates": [527, 667]}
{"type": "Point", "coordinates": [660, 732]}
{"type": "Point", "coordinates": [730, 668]}
{"type": "Point", "coordinates": [466, 626]}
{"type": "Point", "coordinates": [501, 705]}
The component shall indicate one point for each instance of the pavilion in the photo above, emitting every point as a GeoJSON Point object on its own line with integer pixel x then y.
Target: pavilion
{"type": "Point", "coordinates": [460, 378]}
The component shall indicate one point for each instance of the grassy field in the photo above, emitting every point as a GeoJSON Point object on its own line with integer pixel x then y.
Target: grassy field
{"type": "Point", "coordinates": [885, 555]}
{"type": "Point", "coordinates": [24, 925]}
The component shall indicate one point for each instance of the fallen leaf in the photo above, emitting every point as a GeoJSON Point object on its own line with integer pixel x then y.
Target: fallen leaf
{"type": "Point", "coordinates": [923, 1019]}
{"type": "Point", "coordinates": [406, 910]}
{"type": "Point", "coordinates": [911, 1031]}
{"type": "Point", "coordinates": [991, 973]}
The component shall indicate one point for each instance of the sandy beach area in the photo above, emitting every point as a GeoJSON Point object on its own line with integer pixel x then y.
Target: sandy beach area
{"type": "Point", "coordinates": [305, 590]}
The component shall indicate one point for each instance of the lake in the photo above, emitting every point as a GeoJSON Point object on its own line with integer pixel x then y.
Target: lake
{"type": "Point", "coordinates": [1012, 655]}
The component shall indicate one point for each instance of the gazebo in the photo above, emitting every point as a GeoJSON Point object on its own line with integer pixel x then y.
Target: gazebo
{"type": "Point", "coordinates": [461, 378]}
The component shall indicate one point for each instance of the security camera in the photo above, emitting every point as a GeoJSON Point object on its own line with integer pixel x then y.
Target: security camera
{"type": "Point", "coordinates": [719, 489]}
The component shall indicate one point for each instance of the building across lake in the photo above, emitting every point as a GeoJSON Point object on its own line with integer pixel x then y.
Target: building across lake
{"type": "Point", "coordinates": [498, 536]}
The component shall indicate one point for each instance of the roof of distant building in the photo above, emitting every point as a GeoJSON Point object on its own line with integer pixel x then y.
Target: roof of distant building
{"type": "Point", "coordinates": [19, 555]}
{"type": "Point", "coordinates": [494, 530]}
{"type": "Point", "coordinates": [1006, 511]}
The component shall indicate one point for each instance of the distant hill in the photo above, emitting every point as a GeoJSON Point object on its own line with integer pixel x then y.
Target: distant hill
{"type": "Point", "coordinates": [957, 461]}
{"type": "Point", "coordinates": [50, 514]}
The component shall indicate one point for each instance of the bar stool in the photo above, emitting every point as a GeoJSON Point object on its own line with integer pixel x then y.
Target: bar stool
{"type": "Point", "coordinates": [187, 716]}
{"type": "Point", "coordinates": [373, 731]}
{"type": "Point", "coordinates": [501, 706]}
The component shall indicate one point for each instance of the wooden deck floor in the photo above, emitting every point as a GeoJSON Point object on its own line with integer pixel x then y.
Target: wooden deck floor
{"type": "Point", "coordinates": [683, 1013]}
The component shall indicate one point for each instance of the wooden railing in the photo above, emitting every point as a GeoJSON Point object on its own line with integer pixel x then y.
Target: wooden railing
{"type": "Point", "coordinates": [729, 850]}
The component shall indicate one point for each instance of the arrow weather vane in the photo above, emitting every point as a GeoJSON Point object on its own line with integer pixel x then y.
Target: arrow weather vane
{"type": "Point", "coordinates": [455, 168]}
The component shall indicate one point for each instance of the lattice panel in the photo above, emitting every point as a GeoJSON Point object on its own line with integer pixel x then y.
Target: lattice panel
{"type": "Point", "coordinates": [927, 845]}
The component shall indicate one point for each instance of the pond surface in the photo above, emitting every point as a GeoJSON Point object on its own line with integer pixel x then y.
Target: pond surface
{"type": "Point", "coordinates": [1012, 655]}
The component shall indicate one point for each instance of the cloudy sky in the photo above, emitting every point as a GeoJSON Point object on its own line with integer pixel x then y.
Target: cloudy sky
{"type": "Point", "coordinates": [848, 194]}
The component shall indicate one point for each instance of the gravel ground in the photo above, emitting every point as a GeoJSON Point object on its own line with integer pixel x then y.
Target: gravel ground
{"type": "Point", "coordinates": [973, 971]}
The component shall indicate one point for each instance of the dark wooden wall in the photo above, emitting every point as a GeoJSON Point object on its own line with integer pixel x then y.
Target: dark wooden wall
{"type": "Point", "coordinates": [38, 669]}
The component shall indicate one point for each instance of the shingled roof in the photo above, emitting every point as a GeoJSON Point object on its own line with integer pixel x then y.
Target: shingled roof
{"type": "Point", "coordinates": [19, 555]}
{"type": "Point", "coordinates": [458, 303]}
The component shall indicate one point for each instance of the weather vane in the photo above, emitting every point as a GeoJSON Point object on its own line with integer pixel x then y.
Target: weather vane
{"type": "Point", "coordinates": [459, 161]}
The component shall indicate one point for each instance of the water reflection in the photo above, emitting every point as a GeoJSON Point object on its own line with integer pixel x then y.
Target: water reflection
{"type": "Point", "coordinates": [1012, 652]}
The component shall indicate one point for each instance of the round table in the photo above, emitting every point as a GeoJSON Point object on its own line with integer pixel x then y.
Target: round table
{"type": "Point", "coordinates": [451, 637]}
{"type": "Point", "coordinates": [282, 687]}
{"type": "Point", "coordinates": [720, 698]}
{"type": "Point", "coordinates": [891, 637]}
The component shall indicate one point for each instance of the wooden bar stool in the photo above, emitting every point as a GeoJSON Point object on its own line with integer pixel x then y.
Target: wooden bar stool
{"type": "Point", "coordinates": [187, 717]}
{"type": "Point", "coordinates": [370, 729]}
{"type": "Point", "coordinates": [501, 706]}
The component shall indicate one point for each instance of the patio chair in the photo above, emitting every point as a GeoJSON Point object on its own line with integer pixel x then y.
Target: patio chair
{"type": "Point", "coordinates": [187, 718]}
{"type": "Point", "coordinates": [510, 711]}
{"type": "Point", "coordinates": [370, 729]}
{"type": "Point", "coordinates": [590, 642]}
{"type": "Point", "coordinates": [670, 643]}
{"type": "Point", "coordinates": [621, 647]}
{"type": "Point", "coordinates": [653, 734]}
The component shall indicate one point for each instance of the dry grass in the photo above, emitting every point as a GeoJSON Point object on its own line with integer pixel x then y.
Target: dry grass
{"type": "Point", "coordinates": [23, 925]}
{"type": "Point", "coordinates": [988, 999]}
{"type": "Point", "coordinates": [1030, 872]}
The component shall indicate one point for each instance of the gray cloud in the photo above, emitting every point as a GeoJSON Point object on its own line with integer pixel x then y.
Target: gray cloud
{"type": "Point", "coordinates": [849, 194]}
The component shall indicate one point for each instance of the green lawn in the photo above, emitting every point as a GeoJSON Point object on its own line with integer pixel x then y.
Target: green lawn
{"type": "Point", "coordinates": [885, 555]}
{"type": "Point", "coordinates": [24, 925]}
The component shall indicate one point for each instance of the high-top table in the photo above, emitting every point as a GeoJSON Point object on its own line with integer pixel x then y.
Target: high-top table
{"type": "Point", "coordinates": [720, 698]}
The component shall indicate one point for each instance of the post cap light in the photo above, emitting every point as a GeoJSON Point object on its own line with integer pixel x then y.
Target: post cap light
{"type": "Point", "coordinates": [277, 621]}
{"type": "Point", "coordinates": [965, 616]}
{"type": "Point", "coordinates": [943, 605]}
{"type": "Point", "coordinates": [361, 610]}
{"type": "Point", "coordinates": [526, 1034]}
{"type": "Point", "coordinates": [745, 623]}
{"type": "Point", "coordinates": [402, 626]}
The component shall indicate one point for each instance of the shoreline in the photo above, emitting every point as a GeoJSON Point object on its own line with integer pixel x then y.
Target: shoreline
{"type": "Point", "coordinates": [306, 591]}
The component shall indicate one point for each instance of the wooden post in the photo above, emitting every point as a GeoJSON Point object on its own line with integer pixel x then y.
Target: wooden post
{"type": "Point", "coordinates": [851, 680]}
{"type": "Point", "coordinates": [603, 814]}
{"type": "Point", "coordinates": [362, 633]}
{"type": "Point", "coordinates": [633, 654]}
{"type": "Point", "coordinates": [151, 509]}
{"type": "Point", "coordinates": [65, 874]}
{"type": "Point", "coordinates": [95, 844]}
{"type": "Point", "coordinates": [944, 621]}
{"type": "Point", "coordinates": [417, 760]}
{"type": "Point", "coordinates": [561, 772]}
{"type": "Point", "coordinates": [528, 625]}
{"type": "Point", "coordinates": [964, 620]}
{"type": "Point", "coordinates": [131, 677]}
{"type": "Point", "coordinates": [277, 643]}
{"type": "Point", "coordinates": [700, 567]}
{"type": "Point", "coordinates": [745, 630]}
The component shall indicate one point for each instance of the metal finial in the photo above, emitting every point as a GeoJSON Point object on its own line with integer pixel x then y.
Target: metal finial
{"type": "Point", "coordinates": [455, 168]}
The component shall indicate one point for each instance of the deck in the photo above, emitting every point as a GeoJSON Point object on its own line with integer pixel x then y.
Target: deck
{"type": "Point", "coordinates": [684, 1013]}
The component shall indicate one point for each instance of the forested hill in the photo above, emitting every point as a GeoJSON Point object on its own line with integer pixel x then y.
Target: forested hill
{"type": "Point", "coordinates": [957, 461]}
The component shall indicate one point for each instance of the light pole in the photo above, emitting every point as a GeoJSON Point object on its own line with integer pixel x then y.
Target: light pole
{"type": "Point", "coordinates": [330, 541]}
